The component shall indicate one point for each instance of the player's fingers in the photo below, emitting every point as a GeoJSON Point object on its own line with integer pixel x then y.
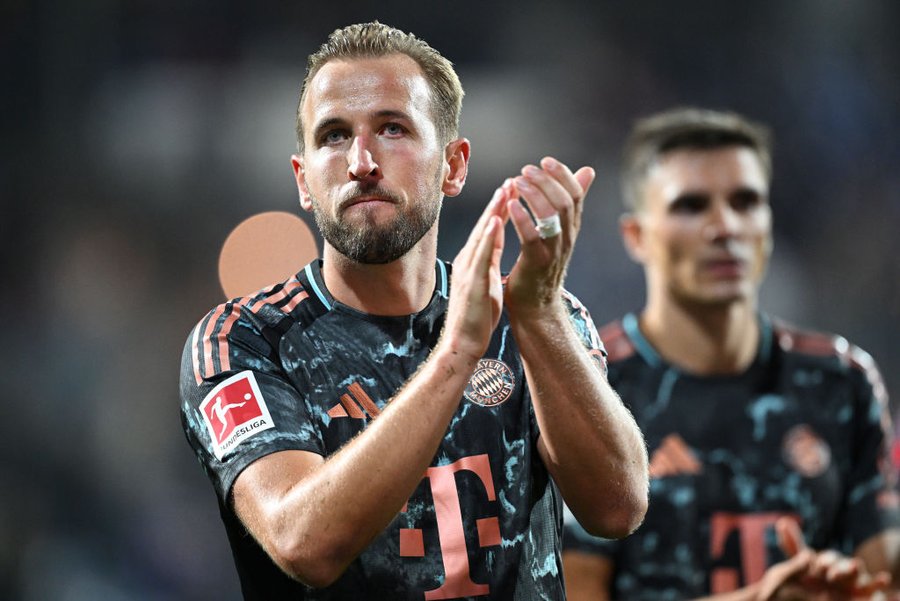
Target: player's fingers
{"type": "Point", "coordinates": [485, 249]}
{"type": "Point", "coordinates": [575, 184]}
{"type": "Point", "coordinates": [544, 195]}
{"type": "Point", "coordinates": [779, 574]}
{"type": "Point", "coordinates": [522, 223]}
{"type": "Point", "coordinates": [585, 177]}
{"type": "Point", "coordinates": [493, 208]}
{"type": "Point", "coordinates": [822, 563]}
{"type": "Point", "coordinates": [867, 585]}
{"type": "Point", "coordinates": [843, 573]}
{"type": "Point", "coordinates": [790, 537]}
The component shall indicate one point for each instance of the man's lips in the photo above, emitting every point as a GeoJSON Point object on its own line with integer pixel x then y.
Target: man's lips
{"type": "Point", "coordinates": [725, 267]}
{"type": "Point", "coordinates": [366, 201]}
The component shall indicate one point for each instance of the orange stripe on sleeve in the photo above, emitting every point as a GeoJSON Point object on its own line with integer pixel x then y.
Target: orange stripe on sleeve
{"type": "Point", "coordinates": [207, 338]}
{"type": "Point", "coordinates": [222, 336]}
{"type": "Point", "coordinates": [300, 297]}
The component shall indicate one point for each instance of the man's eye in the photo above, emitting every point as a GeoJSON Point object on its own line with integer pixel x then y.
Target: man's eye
{"type": "Point", "coordinates": [393, 129]}
{"type": "Point", "coordinates": [689, 204]}
{"type": "Point", "coordinates": [334, 137]}
{"type": "Point", "coordinates": [745, 200]}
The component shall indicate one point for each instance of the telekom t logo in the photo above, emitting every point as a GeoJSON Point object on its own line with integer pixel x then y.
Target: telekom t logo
{"type": "Point", "coordinates": [458, 580]}
{"type": "Point", "coordinates": [751, 529]}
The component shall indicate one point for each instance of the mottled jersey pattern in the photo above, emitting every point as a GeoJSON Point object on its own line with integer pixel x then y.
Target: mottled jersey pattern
{"type": "Point", "coordinates": [804, 432]}
{"type": "Point", "coordinates": [291, 368]}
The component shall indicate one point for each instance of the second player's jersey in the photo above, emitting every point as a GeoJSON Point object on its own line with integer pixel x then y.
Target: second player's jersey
{"type": "Point", "coordinates": [292, 369]}
{"type": "Point", "coordinates": [804, 432]}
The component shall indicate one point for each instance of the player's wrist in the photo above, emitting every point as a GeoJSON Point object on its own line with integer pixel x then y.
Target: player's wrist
{"type": "Point", "coordinates": [457, 353]}
{"type": "Point", "coordinates": [539, 319]}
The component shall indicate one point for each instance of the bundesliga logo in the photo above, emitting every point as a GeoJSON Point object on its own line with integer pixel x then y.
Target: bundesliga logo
{"type": "Point", "coordinates": [235, 411]}
{"type": "Point", "coordinates": [491, 384]}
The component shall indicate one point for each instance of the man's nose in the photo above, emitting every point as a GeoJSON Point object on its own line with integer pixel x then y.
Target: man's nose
{"type": "Point", "coordinates": [723, 222]}
{"type": "Point", "coordinates": [360, 161]}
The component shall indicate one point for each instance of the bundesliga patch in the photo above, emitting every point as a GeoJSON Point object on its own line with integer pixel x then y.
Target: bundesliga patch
{"type": "Point", "coordinates": [491, 384]}
{"type": "Point", "coordinates": [234, 411]}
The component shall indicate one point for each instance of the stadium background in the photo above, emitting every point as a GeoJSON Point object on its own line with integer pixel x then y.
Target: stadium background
{"type": "Point", "coordinates": [135, 135]}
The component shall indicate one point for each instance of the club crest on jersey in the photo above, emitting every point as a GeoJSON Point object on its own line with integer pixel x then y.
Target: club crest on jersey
{"type": "Point", "coordinates": [234, 411]}
{"type": "Point", "coordinates": [806, 451]}
{"type": "Point", "coordinates": [491, 384]}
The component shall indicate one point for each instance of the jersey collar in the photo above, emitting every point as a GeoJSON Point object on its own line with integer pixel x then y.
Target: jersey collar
{"type": "Point", "coordinates": [653, 358]}
{"type": "Point", "coordinates": [313, 273]}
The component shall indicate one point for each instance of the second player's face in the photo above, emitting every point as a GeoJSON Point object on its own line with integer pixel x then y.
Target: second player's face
{"type": "Point", "coordinates": [373, 162]}
{"type": "Point", "coordinates": [706, 225]}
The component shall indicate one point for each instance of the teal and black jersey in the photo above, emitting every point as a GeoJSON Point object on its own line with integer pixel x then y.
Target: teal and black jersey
{"type": "Point", "coordinates": [804, 432]}
{"type": "Point", "coordinates": [293, 369]}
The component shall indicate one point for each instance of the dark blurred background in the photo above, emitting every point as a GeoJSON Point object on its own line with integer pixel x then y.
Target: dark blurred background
{"type": "Point", "coordinates": [136, 135]}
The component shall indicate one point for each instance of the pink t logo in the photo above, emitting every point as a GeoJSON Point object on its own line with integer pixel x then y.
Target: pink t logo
{"type": "Point", "coordinates": [751, 528]}
{"type": "Point", "coordinates": [457, 581]}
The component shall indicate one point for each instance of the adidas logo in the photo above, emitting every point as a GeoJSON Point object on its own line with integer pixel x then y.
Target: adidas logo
{"type": "Point", "coordinates": [672, 458]}
{"type": "Point", "coordinates": [356, 405]}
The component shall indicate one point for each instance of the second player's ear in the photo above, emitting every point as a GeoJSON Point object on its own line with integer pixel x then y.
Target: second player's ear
{"type": "Point", "coordinates": [632, 236]}
{"type": "Point", "coordinates": [300, 177]}
{"type": "Point", "coordinates": [456, 166]}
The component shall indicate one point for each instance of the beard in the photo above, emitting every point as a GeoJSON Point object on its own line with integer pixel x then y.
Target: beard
{"type": "Point", "coordinates": [377, 244]}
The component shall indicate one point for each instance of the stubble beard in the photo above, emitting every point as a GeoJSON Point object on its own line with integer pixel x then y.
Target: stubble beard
{"type": "Point", "coordinates": [377, 244]}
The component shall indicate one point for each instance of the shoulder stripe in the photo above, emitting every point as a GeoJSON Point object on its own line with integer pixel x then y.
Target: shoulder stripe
{"type": "Point", "coordinates": [207, 338]}
{"type": "Point", "coordinates": [210, 342]}
{"type": "Point", "coordinates": [790, 338]}
{"type": "Point", "coordinates": [296, 300]}
{"type": "Point", "coordinates": [290, 286]}
{"type": "Point", "coordinates": [222, 336]}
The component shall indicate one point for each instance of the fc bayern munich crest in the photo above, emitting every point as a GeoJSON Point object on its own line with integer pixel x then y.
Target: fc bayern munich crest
{"type": "Point", "coordinates": [806, 451]}
{"type": "Point", "coordinates": [491, 384]}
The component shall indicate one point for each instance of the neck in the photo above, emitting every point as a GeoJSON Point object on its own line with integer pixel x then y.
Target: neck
{"type": "Point", "coordinates": [703, 339]}
{"type": "Point", "coordinates": [402, 287]}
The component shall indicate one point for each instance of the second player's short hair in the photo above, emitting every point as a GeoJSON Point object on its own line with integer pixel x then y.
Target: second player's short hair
{"type": "Point", "coordinates": [687, 128]}
{"type": "Point", "coordinates": [373, 40]}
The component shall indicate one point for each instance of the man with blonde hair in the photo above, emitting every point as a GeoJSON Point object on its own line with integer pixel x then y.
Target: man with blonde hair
{"type": "Point", "coordinates": [410, 425]}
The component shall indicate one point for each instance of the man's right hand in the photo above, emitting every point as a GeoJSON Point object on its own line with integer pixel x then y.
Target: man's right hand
{"type": "Point", "coordinates": [476, 293]}
{"type": "Point", "coordinates": [809, 575]}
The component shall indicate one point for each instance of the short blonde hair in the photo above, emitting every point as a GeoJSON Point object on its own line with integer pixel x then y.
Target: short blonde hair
{"type": "Point", "coordinates": [370, 40]}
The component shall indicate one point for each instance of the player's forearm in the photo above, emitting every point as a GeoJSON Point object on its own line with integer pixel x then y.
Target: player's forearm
{"type": "Point", "coordinates": [327, 519]}
{"type": "Point", "coordinates": [591, 444]}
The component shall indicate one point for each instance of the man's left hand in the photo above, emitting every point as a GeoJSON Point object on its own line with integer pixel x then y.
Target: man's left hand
{"type": "Point", "coordinates": [550, 190]}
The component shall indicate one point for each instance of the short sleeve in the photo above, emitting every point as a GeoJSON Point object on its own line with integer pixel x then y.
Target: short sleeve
{"type": "Point", "coordinates": [872, 504]}
{"type": "Point", "coordinates": [237, 404]}
{"type": "Point", "coordinates": [586, 330]}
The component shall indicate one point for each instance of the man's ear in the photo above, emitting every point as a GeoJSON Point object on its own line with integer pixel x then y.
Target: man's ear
{"type": "Point", "coordinates": [456, 160]}
{"type": "Point", "coordinates": [632, 236]}
{"type": "Point", "coordinates": [300, 177]}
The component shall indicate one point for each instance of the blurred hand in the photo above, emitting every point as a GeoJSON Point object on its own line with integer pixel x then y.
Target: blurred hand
{"type": "Point", "coordinates": [809, 575]}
